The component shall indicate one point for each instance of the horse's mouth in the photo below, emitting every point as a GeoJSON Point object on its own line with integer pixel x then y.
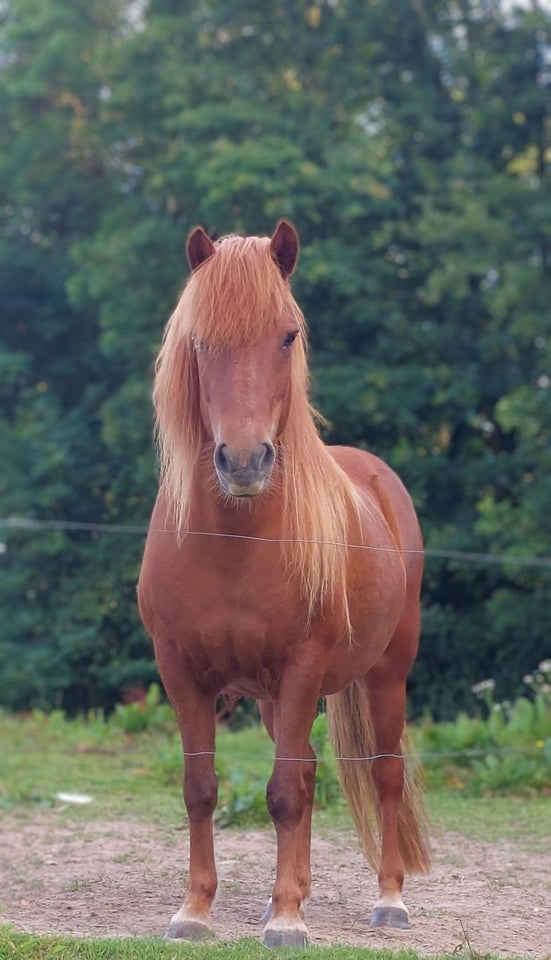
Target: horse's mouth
{"type": "Point", "coordinates": [243, 491]}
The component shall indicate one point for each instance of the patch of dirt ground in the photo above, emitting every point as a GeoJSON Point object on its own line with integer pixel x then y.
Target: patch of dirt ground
{"type": "Point", "coordinates": [124, 878]}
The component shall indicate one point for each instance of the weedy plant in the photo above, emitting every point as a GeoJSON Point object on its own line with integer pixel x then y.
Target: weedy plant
{"type": "Point", "coordinates": [505, 750]}
{"type": "Point", "coordinates": [328, 792]}
{"type": "Point", "coordinates": [242, 799]}
{"type": "Point", "coordinates": [147, 712]}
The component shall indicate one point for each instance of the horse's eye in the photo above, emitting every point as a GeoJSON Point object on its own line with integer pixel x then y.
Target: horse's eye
{"type": "Point", "coordinates": [290, 339]}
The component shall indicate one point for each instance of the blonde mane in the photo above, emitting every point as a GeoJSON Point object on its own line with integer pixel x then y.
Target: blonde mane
{"type": "Point", "coordinates": [230, 299]}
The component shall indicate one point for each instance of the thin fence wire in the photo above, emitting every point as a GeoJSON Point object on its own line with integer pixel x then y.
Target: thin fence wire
{"type": "Point", "coordinates": [32, 525]}
{"type": "Point", "coordinates": [73, 526]}
{"type": "Point", "coordinates": [422, 755]}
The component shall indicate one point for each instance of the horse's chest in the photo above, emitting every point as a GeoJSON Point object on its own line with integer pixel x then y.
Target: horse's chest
{"type": "Point", "coordinates": [234, 624]}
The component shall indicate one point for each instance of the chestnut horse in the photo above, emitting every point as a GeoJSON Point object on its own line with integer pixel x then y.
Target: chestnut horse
{"type": "Point", "coordinates": [282, 569]}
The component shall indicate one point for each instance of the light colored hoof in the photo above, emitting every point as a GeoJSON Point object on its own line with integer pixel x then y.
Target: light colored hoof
{"type": "Point", "coordinates": [285, 931]}
{"type": "Point", "coordinates": [188, 930]}
{"type": "Point", "coordinates": [395, 917]}
{"type": "Point", "coordinates": [285, 938]}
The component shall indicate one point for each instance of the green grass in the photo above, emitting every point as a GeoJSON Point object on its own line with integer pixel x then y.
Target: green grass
{"type": "Point", "coordinates": [29, 947]}
{"type": "Point", "coordinates": [138, 776]}
{"type": "Point", "coordinates": [526, 821]}
{"type": "Point", "coordinates": [41, 757]}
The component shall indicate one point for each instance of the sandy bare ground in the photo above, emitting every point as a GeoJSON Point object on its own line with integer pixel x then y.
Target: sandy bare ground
{"type": "Point", "coordinates": [124, 878]}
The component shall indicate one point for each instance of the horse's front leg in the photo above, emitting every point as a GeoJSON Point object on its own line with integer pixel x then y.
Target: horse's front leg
{"type": "Point", "coordinates": [196, 719]}
{"type": "Point", "coordinates": [290, 797]}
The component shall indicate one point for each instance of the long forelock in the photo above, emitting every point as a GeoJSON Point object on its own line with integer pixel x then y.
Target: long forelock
{"type": "Point", "coordinates": [236, 294]}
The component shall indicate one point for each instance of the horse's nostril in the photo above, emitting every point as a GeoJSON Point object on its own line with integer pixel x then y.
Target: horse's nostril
{"type": "Point", "coordinates": [262, 460]}
{"type": "Point", "coordinates": [221, 459]}
{"type": "Point", "coordinates": [268, 456]}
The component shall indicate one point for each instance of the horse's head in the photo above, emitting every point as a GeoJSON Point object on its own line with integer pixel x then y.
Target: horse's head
{"type": "Point", "coordinates": [244, 338]}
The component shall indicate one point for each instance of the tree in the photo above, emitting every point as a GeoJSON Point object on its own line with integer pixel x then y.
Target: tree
{"type": "Point", "coordinates": [407, 142]}
{"type": "Point", "coordinates": [61, 621]}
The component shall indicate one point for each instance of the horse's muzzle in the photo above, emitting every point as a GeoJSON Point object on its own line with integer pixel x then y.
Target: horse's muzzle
{"type": "Point", "coordinates": [244, 474]}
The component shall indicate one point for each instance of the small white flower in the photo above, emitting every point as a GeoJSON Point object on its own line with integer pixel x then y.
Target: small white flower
{"type": "Point", "coordinates": [528, 678]}
{"type": "Point", "coordinates": [545, 666]}
{"type": "Point", "coordinates": [484, 686]}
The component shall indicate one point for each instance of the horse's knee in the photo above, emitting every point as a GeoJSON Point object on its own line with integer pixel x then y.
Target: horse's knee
{"type": "Point", "coordinates": [286, 801]}
{"type": "Point", "coordinates": [200, 796]}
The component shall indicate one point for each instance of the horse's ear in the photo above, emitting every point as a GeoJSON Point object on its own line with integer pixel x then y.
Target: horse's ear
{"type": "Point", "coordinates": [284, 247]}
{"type": "Point", "coordinates": [199, 247]}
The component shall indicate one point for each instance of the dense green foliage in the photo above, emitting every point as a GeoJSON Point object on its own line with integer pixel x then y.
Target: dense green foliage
{"type": "Point", "coordinates": [407, 141]}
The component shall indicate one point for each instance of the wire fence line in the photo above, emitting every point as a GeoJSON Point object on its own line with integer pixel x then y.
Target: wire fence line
{"type": "Point", "coordinates": [139, 529]}
{"type": "Point", "coordinates": [422, 755]}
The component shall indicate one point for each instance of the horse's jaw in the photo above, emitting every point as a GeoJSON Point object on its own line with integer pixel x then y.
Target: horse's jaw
{"type": "Point", "coordinates": [242, 492]}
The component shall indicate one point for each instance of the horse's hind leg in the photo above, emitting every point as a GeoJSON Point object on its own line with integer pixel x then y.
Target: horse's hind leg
{"type": "Point", "coordinates": [401, 818]}
{"type": "Point", "coordinates": [290, 796]}
{"type": "Point", "coordinates": [387, 703]}
{"type": "Point", "coordinates": [196, 719]}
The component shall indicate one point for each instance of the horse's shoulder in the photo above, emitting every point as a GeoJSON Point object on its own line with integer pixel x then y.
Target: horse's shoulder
{"type": "Point", "coordinates": [360, 465]}
{"type": "Point", "coordinates": [382, 487]}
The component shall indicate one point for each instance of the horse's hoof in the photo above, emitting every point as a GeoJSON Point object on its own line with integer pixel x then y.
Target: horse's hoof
{"type": "Point", "coordinates": [188, 930]}
{"type": "Point", "coordinates": [285, 938]}
{"type": "Point", "coordinates": [390, 917]}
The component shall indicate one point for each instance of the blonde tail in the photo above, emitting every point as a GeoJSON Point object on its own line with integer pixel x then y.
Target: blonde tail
{"type": "Point", "coordinates": [351, 734]}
